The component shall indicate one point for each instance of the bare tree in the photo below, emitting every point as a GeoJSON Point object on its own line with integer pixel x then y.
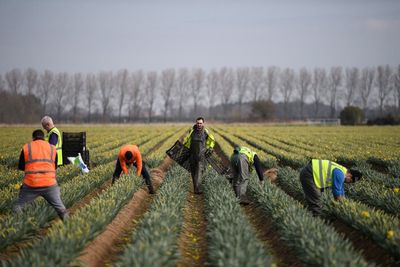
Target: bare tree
{"type": "Point", "coordinates": [106, 86]}
{"type": "Point", "coordinates": [226, 80]}
{"type": "Point", "coordinates": [151, 89]}
{"type": "Point", "coordinates": [334, 82]}
{"type": "Point", "coordinates": [167, 85]}
{"type": "Point", "coordinates": [318, 86]}
{"type": "Point", "coordinates": [242, 83]}
{"type": "Point", "coordinates": [122, 87]}
{"type": "Point", "coordinates": [2, 83]}
{"type": "Point", "coordinates": [76, 94]}
{"type": "Point", "coordinates": [366, 85]}
{"type": "Point", "coordinates": [271, 81]}
{"type": "Point", "coordinates": [286, 87]}
{"type": "Point", "coordinates": [383, 83]}
{"type": "Point", "coordinates": [352, 78]}
{"type": "Point", "coordinates": [14, 80]}
{"type": "Point", "coordinates": [136, 94]}
{"type": "Point", "coordinates": [196, 83]}
{"type": "Point", "coordinates": [304, 83]}
{"type": "Point", "coordinates": [397, 86]}
{"type": "Point", "coordinates": [256, 81]}
{"type": "Point", "coordinates": [212, 90]}
{"type": "Point", "coordinates": [90, 89]}
{"type": "Point", "coordinates": [60, 92]}
{"type": "Point", "coordinates": [31, 78]}
{"type": "Point", "coordinates": [46, 84]}
{"type": "Point", "coordinates": [182, 85]}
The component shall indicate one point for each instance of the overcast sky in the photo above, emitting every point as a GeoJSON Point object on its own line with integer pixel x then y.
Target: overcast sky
{"type": "Point", "coordinates": [89, 36]}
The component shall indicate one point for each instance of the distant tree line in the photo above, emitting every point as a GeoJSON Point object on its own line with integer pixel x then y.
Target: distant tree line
{"type": "Point", "coordinates": [226, 94]}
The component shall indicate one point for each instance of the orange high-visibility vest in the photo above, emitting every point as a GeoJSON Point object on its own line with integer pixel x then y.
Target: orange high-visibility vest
{"type": "Point", "coordinates": [137, 158]}
{"type": "Point", "coordinates": [40, 170]}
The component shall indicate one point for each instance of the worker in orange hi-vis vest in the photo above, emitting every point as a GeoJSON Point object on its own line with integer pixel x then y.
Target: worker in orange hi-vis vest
{"type": "Point", "coordinates": [38, 160]}
{"type": "Point", "coordinates": [130, 155]}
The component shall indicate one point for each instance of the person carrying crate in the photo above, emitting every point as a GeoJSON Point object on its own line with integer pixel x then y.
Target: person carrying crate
{"type": "Point", "coordinates": [200, 143]}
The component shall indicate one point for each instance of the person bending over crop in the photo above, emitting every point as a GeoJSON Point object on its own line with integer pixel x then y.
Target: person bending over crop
{"type": "Point", "coordinates": [242, 162]}
{"type": "Point", "coordinates": [318, 175]}
{"type": "Point", "coordinates": [130, 155]}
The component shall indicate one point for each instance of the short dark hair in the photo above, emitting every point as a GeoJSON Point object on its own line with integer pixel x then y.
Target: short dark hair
{"type": "Point", "coordinates": [37, 134]}
{"type": "Point", "coordinates": [200, 118]}
{"type": "Point", "coordinates": [128, 155]}
{"type": "Point", "coordinates": [236, 148]}
{"type": "Point", "coordinates": [356, 175]}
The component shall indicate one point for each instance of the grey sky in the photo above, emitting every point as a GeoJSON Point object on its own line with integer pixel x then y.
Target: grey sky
{"type": "Point", "coordinates": [154, 35]}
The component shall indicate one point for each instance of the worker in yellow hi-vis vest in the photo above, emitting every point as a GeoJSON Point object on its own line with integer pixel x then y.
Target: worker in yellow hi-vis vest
{"type": "Point", "coordinates": [242, 161]}
{"type": "Point", "coordinates": [54, 137]}
{"type": "Point", "coordinates": [320, 174]}
{"type": "Point", "coordinates": [200, 143]}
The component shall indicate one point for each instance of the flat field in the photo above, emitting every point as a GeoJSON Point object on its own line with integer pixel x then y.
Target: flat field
{"type": "Point", "coordinates": [123, 225]}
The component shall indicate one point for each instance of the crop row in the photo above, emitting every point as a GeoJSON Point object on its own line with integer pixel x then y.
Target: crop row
{"type": "Point", "coordinates": [268, 160]}
{"type": "Point", "coordinates": [66, 173]}
{"type": "Point", "coordinates": [66, 240]}
{"type": "Point", "coordinates": [155, 240]}
{"type": "Point", "coordinates": [313, 241]}
{"type": "Point", "coordinates": [231, 239]}
{"type": "Point", "coordinates": [39, 213]}
{"type": "Point", "coordinates": [370, 190]}
{"type": "Point", "coordinates": [379, 226]}
{"type": "Point", "coordinates": [377, 146]}
{"type": "Point", "coordinates": [35, 216]}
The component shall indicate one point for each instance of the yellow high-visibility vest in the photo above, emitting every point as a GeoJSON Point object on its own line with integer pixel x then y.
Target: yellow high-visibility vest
{"type": "Point", "coordinates": [249, 154]}
{"type": "Point", "coordinates": [58, 145]}
{"type": "Point", "coordinates": [322, 172]}
{"type": "Point", "coordinates": [210, 141]}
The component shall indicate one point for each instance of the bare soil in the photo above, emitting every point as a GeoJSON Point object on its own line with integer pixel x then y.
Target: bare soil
{"type": "Point", "coordinates": [13, 250]}
{"type": "Point", "coordinates": [105, 248]}
{"type": "Point", "coordinates": [193, 240]}
{"type": "Point", "coordinates": [371, 251]}
{"type": "Point", "coordinates": [268, 235]}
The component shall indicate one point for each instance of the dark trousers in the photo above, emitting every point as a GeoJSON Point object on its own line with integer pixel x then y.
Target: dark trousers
{"type": "Point", "coordinates": [240, 171]}
{"type": "Point", "coordinates": [50, 193]}
{"type": "Point", "coordinates": [145, 174]}
{"type": "Point", "coordinates": [196, 170]}
{"type": "Point", "coordinates": [258, 167]}
{"type": "Point", "coordinates": [311, 192]}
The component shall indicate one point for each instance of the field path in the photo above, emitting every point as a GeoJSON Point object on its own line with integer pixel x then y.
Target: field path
{"type": "Point", "coordinates": [110, 243]}
{"type": "Point", "coordinates": [192, 243]}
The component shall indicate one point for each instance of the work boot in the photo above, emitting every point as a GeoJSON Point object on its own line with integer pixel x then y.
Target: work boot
{"type": "Point", "coordinates": [151, 189]}
{"type": "Point", "coordinates": [244, 200]}
{"type": "Point", "coordinates": [236, 190]}
{"type": "Point", "coordinates": [64, 215]}
{"type": "Point", "coordinates": [198, 191]}
{"type": "Point", "coordinates": [149, 184]}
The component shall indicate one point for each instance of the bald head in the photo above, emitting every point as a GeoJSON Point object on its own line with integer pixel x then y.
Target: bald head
{"type": "Point", "coordinates": [47, 123]}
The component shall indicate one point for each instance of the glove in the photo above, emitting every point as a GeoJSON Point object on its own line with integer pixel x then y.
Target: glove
{"type": "Point", "coordinates": [271, 174]}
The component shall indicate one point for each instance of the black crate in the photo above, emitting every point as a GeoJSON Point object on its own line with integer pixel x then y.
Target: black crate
{"type": "Point", "coordinates": [74, 143]}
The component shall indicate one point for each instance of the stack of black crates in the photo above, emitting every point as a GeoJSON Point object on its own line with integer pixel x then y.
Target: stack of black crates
{"type": "Point", "coordinates": [74, 143]}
